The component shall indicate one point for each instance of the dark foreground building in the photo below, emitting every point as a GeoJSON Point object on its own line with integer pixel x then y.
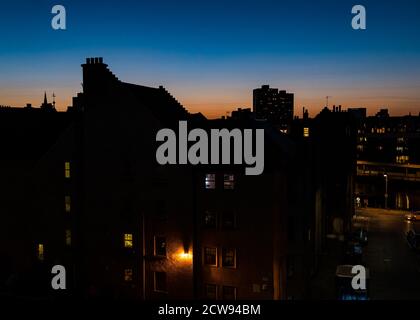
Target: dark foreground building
{"type": "Point", "coordinates": [83, 189]}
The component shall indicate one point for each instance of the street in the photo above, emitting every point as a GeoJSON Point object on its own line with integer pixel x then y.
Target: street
{"type": "Point", "coordinates": [394, 266]}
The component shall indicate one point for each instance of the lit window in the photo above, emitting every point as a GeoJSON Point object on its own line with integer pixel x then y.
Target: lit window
{"type": "Point", "coordinates": [229, 181]}
{"type": "Point", "coordinates": [40, 252]}
{"type": "Point", "coordinates": [210, 219]}
{"type": "Point", "coordinates": [306, 132]}
{"type": "Point", "coordinates": [160, 282]}
{"type": "Point", "coordinates": [211, 291]}
{"type": "Point", "coordinates": [210, 181]}
{"type": "Point", "coordinates": [402, 159]}
{"type": "Point", "coordinates": [68, 237]}
{"type": "Point", "coordinates": [67, 170]}
{"type": "Point", "coordinates": [229, 293]}
{"type": "Point", "coordinates": [128, 240]}
{"type": "Point", "coordinates": [128, 275]}
{"type": "Point", "coordinates": [229, 219]}
{"type": "Point", "coordinates": [160, 246]}
{"type": "Point", "coordinates": [67, 203]}
{"type": "Point", "coordinates": [229, 258]}
{"type": "Point", "coordinates": [210, 256]}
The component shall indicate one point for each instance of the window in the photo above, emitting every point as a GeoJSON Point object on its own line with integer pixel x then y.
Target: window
{"type": "Point", "coordinates": [67, 203]}
{"type": "Point", "coordinates": [128, 240]}
{"type": "Point", "coordinates": [229, 181]}
{"type": "Point", "coordinates": [229, 293]}
{"type": "Point", "coordinates": [40, 252]}
{"type": "Point", "coordinates": [68, 237]}
{"type": "Point", "coordinates": [210, 219]}
{"type": "Point", "coordinates": [229, 258]}
{"type": "Point", "coordinates": [210, 256]}
{"type": "Point", "coordinates": [402, 159]}
{"type": "Point", "coordinates": [210, 181]}
{"type": "Point", "coordinates": [67, 170]}
{"type": "Point", "coordinates": [306, 132]}
{"type": "Point", "coordinates": [160, 281]}
{"type": "Point", "coordinates": [128, 275]}
{"type": "Point", "coordinates": [160, 246]}
{"type": "Point", "coordinates": [228, 219]}
{"type": "Point", "coordinates": [211, 291]}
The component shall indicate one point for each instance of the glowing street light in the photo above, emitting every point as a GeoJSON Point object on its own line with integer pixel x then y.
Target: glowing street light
{"type": "Point", "coordinates": [386, 191]}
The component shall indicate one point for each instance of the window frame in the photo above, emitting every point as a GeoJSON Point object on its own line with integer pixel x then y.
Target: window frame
{"type": "Point", "coordinates": [155, 289]}
{"type": "Point", "coordinates": [235, 292]}
{"type": "Point", "coordinates": [155, 246]}
{"type": "Point", "coordinates": [234, 266]}
{"type": "Point", "coordinates": [216, 291]}
{"type": "Point", "coordinates": [215, 265]}
{"type": "Point", "coordinates": [229, 184]}
{"type": "Point", "coordinates": [207, 181]}
{"type": "Point", "coordinates": [128, 240]}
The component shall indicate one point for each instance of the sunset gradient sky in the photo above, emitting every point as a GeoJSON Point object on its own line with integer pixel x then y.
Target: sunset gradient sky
{"type": "Point", "coordinates": [211, 54]}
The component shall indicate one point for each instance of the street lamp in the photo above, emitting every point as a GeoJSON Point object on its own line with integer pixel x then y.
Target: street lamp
{"type": "Point", "coordinates": [386, 191]}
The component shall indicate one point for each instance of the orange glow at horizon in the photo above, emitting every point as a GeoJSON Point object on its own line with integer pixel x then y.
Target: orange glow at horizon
{"type": "Point", "coordinates": [215, 106]}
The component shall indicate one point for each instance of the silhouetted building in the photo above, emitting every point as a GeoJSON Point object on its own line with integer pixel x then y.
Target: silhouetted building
{"type": "Point", "coordinates": [322, 195]}
{"type": "Point", "coordinates": [274, 106]}
{"type": "Point", "coordinates": [97, 202]}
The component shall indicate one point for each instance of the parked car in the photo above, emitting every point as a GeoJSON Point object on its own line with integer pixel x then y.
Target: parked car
{"type": "Point", "coordinates": [414, 216]}
{"type": "Point", "coordinates": [413, 238]}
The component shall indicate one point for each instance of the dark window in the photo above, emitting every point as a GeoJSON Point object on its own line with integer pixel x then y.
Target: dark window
{"type": "Point", "coordinates": [210, 181]}
{"type": "Point", "coordinates": [229, 293]}
{"type": "Point", "coordinates": [160, 246]}
{"type": "Point", "coordinates": [128, 275]}
{"type": "Point", "coordinates": [229, 219]}
{"type": "Point", "coordinates": [210, 219]}
{"type": "Point", "coordinates": [211, 291]}
{"type": "Point", "coordinates": [210, 256]}
{"type": "Point", "coordinates": [160, 281]}
{"type": "Point", "coordinates": [229, 258]}
{"type": "Point", "coordinates": [229, 181]}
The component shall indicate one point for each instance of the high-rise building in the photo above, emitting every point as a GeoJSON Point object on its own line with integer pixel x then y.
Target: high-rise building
{"type": "Point", "coordinates": [275, 106]}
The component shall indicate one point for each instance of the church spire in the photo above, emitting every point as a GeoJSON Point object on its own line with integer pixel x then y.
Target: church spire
{"type": "Point", "coordinates": [45, 98]}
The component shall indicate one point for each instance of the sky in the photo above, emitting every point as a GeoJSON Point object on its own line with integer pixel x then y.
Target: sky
{"type": "Point", "coordinates": [211, 54]}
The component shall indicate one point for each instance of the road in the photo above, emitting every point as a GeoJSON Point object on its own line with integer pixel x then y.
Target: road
{"type": "Point", "coordinates": [394, 266]}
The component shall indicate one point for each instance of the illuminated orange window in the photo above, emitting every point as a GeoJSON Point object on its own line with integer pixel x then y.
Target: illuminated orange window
{"type": "Point", "coordinates": [67, 203]}
{"type": "Point", "coordinates": [306, 132]}
{"type": "Point", "coordinates": [67, 170]}
{"type": "Point", "coordinates": [128, 240]}
{"type": "Point", "coordinates": [128, 275]}
{"type": "Point", "coordinates": [40, 252]}
{"type": "Point", "coordinates": [68, 237]}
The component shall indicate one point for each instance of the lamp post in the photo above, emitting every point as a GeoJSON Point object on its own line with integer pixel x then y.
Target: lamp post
{"type": "Point", "coordinates": [386, 191]}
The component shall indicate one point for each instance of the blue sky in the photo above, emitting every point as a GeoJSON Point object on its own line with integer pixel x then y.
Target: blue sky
{"type": "Point", "coordinates": [211, 54]}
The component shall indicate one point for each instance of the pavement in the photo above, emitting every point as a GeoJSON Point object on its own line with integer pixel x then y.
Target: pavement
{"type": "Point", "coordinates": [393, 266]}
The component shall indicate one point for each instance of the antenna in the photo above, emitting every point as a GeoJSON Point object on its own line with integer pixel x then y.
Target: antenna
{"type": "Point", "coordinates": [327, 98]}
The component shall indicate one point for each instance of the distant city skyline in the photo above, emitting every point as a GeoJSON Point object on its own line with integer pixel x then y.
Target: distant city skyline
{"type": "Point", "coordinates": [211, 55]}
